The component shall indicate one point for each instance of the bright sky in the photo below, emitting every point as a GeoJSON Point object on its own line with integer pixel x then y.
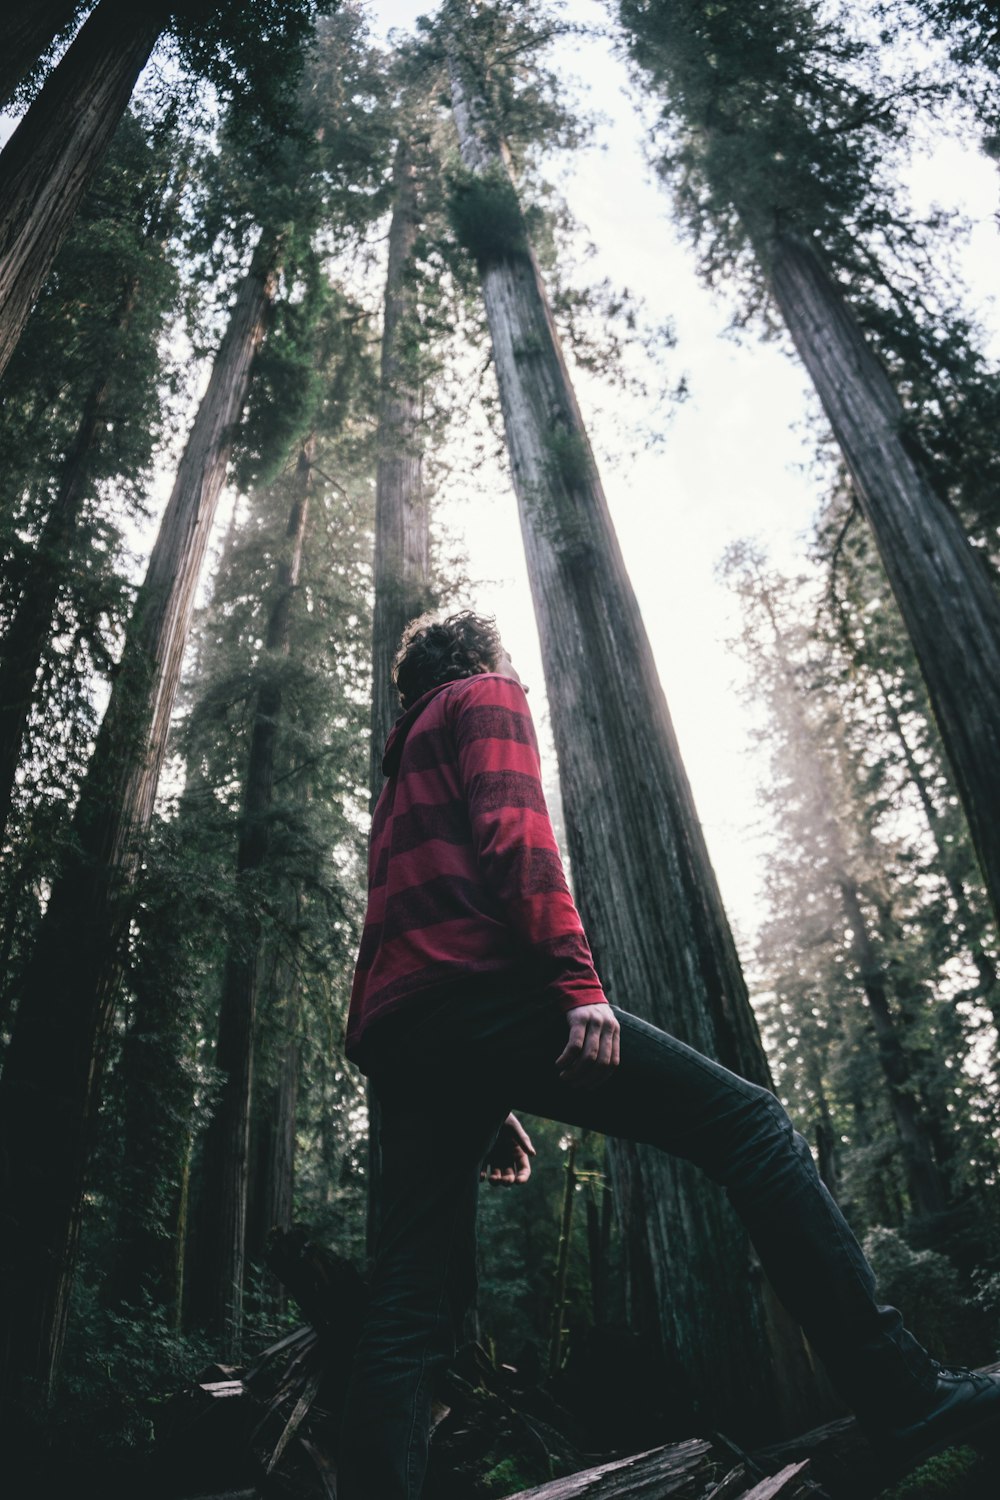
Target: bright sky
{"type": "Point", "coordinates": [735, 460]}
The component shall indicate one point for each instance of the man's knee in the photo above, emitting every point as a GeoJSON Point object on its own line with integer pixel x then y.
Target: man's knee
{"type": "Point", "coordinates": [750, 1137]}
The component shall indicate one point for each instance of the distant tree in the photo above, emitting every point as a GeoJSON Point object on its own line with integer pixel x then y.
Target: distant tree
{"type": "Point", "coordinates": [817, 785]}
{"type": "Point", "coordinates": [878, 680]}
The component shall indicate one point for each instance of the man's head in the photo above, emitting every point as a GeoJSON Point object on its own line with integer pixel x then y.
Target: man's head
{"type": "Point", "coordinates": [434, 650]}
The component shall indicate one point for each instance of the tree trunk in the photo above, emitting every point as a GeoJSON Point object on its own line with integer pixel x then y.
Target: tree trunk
{"type": "Point", "coordinates": [646, 889]}
{"type": "Point", "coordinates": [49, 161]}
{"type": "Point", "coordinates": [272, 1182]}
{"type": "Point", "coordinates": [562, 1261]}
{"type": "Point", "coordinates": [402, 526]}
{"type": "Point", "coordinates": [51, 1085]}
{"type": "Point", "coordinates": [927, 1195]}
{"type": "Point", "coordinates": [28, 32]}
{"type": "Point", "coordinates": [947, 599]}
{"type": "Point", "coordinates": [225, 1177]}
{"type": "Point", "coordinates": [23, 646]}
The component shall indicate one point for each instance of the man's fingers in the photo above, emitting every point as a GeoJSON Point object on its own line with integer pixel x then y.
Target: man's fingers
{"type": "Point", "coordinates": [593, 1050]}
{"type": "Point", "coordinates": [577, 1032]}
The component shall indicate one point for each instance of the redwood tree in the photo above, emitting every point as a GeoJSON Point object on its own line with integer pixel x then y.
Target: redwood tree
{"type": "Point", "coordinates": [778, 159]}
{"type": "Point", "coordinates": [222, 1243]}
{"type": "Point", "coordinates": [48, 162]}
{"type": "Point", "coordinates": [91, 350]}
{"type": "Point", "coordinates": [643, 879]}
{"type": "Point", "coordinates": [51, 1083]}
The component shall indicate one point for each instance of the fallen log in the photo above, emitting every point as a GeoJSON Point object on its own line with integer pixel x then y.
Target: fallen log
{"type": "Point", "coordinates": [668, 1471]}
{"type": "Point", "coordinates": [496, 1432]}
{"type": "Point", "coordinates": [642, 1476]}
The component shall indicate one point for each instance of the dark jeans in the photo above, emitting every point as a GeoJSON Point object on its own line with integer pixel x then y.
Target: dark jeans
{"type": "Point", "coordinates": [446, 1076]}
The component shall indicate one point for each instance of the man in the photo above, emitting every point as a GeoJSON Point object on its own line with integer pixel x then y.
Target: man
{"type": "Point", "coordinates": [475, 991]}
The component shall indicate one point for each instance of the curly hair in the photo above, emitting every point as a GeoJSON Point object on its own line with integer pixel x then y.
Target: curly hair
{"type": "Point", "coordinates": [433, 651]}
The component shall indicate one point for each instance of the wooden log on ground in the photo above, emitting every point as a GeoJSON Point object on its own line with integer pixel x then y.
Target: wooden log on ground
{"type": "Point", "coordinates": [786, 1484]}
{"type": "Point", "coordinates": [643, 1476]}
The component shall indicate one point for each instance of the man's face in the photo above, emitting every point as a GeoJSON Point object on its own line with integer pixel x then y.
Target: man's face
{"type": "Point", "coordinates": [506, 668]}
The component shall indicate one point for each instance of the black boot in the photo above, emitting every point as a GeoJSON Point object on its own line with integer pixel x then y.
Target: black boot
{"type": "Point", "coordinates": [964, 1407]}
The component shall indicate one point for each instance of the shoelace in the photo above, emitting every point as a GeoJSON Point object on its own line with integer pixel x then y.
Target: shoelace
{"type": "Point", "coordinates": [962, 1372]}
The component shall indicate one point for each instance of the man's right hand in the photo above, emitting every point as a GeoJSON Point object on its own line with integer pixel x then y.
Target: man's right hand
{"type": "Point", "coordinates": [590, 1056]}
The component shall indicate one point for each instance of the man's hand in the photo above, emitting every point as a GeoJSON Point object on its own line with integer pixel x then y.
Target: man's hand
{"type": "Point", "coordinates": [508, 1161]}
{"type": "Point", "coordinates": [591, 1054]}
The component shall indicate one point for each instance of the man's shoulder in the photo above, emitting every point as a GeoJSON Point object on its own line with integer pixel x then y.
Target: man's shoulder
{"type": "Point", "coordinates": [487, 688]}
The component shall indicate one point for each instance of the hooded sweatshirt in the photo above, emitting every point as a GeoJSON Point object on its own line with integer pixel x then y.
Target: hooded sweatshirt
{"type": "Point", "coordinates": [465, 882]}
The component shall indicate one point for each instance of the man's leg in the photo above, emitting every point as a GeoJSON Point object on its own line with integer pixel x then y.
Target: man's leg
{"type": "Point", "coordinates": [667, 1095]}
{"type": "Point", "coordinates": [424, 1278]}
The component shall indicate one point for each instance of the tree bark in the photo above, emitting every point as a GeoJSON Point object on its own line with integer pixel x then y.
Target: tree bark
{"type": "Point", "coordinates": [645, 886]}
{"type": "Point", "coordinates": [272, 1182]}
{"type": "Point", "coordinates": [27, 33]}
{"type": "Point", "coordinates": [225, 1178]}
{"type": "Point", "coordinates": [49, 161]}
{"type": "Point", "coordinates": [947, 600]}
{"type": "Point", "coordinates": [23, 645]}
{"type": "Point", "coordinates": [402, 526]}
{"type": "Point", "coordinates": [52, 1080]}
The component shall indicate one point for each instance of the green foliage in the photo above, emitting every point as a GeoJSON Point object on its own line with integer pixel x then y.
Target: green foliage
{"type": "Point", "coordinates": [121, 1366]}
{"type": "Point", "coordinates": [486, 217]}
{"type": "Point", "coordinates": [505, 1478]}
{"type": "Point", "coordinates": [923, 1282]}
{"type": "Point", "coordinates": [956, 1474]}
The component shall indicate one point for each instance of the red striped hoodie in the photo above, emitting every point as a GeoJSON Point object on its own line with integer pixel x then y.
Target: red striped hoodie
{"type": "Point", "coordinates": [464, 874]}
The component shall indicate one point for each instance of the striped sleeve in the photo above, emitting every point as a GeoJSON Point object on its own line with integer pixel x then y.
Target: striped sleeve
{"type": "Point", "coordinates": [512, 834]}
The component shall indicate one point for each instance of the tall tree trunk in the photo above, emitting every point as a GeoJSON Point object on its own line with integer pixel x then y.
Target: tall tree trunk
{"type": "Point", "coordinates": [826, 1138]}
{"type": "Point", "coordinates": [52, 1079]}
{"type": "Point", "coordinates": [225, 1177]}
{"type": "Point", "coordinates": [948, 602]}
{"type": "Point", "coordinates": [23, 645]}
{"type": "Point", "coordinates": [402, 526]}
{"type": "Point", "coordinates": [26, 33]}
{"type": "Point", "coordinates": [49, 161]}
{"type": "Point", "coordinates": [646, 889]}
{"type": "Point", "coordinates": [272, 1139]}
{"type": "Point", "coordinates": [926, 1190]}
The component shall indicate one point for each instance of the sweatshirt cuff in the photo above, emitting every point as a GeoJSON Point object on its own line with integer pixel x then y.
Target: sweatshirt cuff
{"type": "Point", "coordinates": [592, 995]}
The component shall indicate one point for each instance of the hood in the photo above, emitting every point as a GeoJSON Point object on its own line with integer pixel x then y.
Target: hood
{"type": "Point", "coordinates": [397, 735]}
